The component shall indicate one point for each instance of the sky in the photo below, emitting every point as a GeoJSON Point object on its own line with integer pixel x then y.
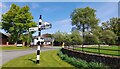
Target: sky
{"type": "Point", "coordinates": [58, 13]}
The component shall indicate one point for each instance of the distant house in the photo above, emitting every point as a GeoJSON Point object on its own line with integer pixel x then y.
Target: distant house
{"type": "Point", "coordinates": [35, 39]}
{"type": "Point", "coordinates": [3, 38]}
{"type": "Point", "coordinates": [47, 41]}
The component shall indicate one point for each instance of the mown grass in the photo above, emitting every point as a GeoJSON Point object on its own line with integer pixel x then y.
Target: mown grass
{"type": "Point", "coordinates": [13, 48]}
{"type": "Point", "coordinates": [47, 59]}
{"type": "Point", "coordinates": [106, 52]}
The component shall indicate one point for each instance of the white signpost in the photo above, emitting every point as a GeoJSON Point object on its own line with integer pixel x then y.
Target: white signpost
{"type": "Point", "coordinates": [42, 26]}
{"type": "Point", "coordinates": [33, 29]}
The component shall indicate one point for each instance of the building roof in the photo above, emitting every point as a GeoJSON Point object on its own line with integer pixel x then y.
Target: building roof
{"type": "Point", "coordinates": [49, 39]}
{"type": "Point", "coordinates": [2, 35]}
{"type": "Point", "coordinates": [6, 34]}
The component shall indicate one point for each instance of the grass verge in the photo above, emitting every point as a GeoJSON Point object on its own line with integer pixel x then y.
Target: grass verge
{"type": "Point", "coordinates": [14, 48]}
{"type": "Point", "coordinates": [82, 64]}
{"type": "Point", "coordinates": [47, 59]}
{"type": "Point", "coordinates": [106, 52]}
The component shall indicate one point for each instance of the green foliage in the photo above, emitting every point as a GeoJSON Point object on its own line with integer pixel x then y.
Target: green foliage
{"type": "Point", "coordinates": [59, 37]}
{"type": "Point", "coordinates": [108, 37]}
{"type": "Point", "coordinates": [113, 25]}
{"type": "Point", "coordinates": [84, 16]}
{"type": "Point", "coordinates": [69, 39]}
{"type": "Point", "coordinates": [49, 35]}
{"type": "Point", "coordinates": [26, 37]}
{"type": "Point", "coordinates": [17, 21]}
{"type": "Point", "coordinates": [0, 25]}
{"type": "Point", "coordinates": [95, 65]}
{"type": "Point", "coordinates": [84, 19]}
{"type": "Point", "coordinates": [91, 39]}
{"type": "Point", "coordinates": [76, 38]}
{"type": "Point", "coordinates": [82, 64]}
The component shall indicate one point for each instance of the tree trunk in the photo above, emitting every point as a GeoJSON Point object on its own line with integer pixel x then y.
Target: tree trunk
{"type": "Point", "coordinates": [83, 30]}
{"type": "Point", "coordinates": [23, 43]}
{"type": "Point", "coordinates": [15, 44]}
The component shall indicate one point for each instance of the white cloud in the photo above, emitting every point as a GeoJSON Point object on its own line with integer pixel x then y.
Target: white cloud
{"type": "Point", "coordinates": [46, 9]}
{"type": "Point", "coordinates": [3, 5]}
{"type": "Point", "coordinates": [63, 25]}
{"type": "Point", "coordinates": [64, 21]}
{"type": "Point", "coordinates": [34, 5]}
{"type": "Point", "coordinates": [5, 8]}
{"type": "Point", "coordinates": [0, 18]}
{"type": "Point", "coordinates": [0, 5]}
{"type": "Point", "coordinates": [52, 9]}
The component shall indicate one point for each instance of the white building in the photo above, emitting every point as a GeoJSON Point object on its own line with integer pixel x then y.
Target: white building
{"type": "Point", "coordinates": [47, 41]}
{"type": "Point", "coordinates": [36, 39]}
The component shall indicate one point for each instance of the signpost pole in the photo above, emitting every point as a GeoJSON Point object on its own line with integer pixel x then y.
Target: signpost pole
{"type": "Point", "coordinates": [39, 43]}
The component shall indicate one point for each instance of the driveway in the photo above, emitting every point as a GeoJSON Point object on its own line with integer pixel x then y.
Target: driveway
{"type": "Point", "coordinates": [7, 55]}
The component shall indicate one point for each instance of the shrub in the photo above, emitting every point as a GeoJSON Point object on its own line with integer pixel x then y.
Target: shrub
{"type": "Point", "coordinates": [95, 65]}
{"type": "Point", "coordinates": [82, 64]}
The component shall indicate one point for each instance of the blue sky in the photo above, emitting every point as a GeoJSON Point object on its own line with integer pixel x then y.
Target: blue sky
{"type": "Point", "coordinates": [58, 13]}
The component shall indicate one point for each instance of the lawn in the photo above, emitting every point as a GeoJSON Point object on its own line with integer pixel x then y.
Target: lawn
{"type": "Point", "coordinates": [47, 59]}
{"type": "Point", "coordinates": [106, 52]}
{"type": "Point", "coordinates": [13, 48]}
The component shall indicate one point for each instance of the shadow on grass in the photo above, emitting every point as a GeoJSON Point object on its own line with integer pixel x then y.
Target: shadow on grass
{"type": "Point", "coordinates": [32, 60]}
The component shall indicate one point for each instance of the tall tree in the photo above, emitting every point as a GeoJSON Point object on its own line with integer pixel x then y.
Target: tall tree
{"type": "Point", "coordinates": [113, 25]}
{"type": "Point", "coordinates": [17, 21]}
{"type": "Point", "coordinates": [84, 19]}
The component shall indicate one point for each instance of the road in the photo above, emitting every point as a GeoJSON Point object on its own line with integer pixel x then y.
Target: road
{"type": "Point", "coordinates": [8, 55]}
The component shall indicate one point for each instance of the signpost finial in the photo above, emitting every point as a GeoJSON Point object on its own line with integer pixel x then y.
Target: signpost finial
{"type": "Point", "coordinates": [40, 17]}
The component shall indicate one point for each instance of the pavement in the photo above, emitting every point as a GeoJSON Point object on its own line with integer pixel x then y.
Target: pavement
{"type": "Point", "coordinates": [8, 55]}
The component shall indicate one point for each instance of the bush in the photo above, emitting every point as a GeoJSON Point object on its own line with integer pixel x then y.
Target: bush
{"type": "Point", "coordinates": [82, 64]}
{"type": "Point", "coordinates": [95, 65]}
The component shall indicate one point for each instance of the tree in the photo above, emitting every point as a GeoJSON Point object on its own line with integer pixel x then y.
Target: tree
{"type": "Point", "coordinates": [76, 38]}
{"type": "Point", "coordinates": [59, 37]}
{"type": "Point", "coordinates": [48, 35]}
{"type": "Point", "coordinates": [0, 25]}
{"type": "Point", "coordinates": [97, 33]}
{"type": "Point", "coordinates": [113, 25]}
{"type": "Point", "coordinates": [26, 38]}
{"type": "Point", "coordinates": [17, 21]}
{"type": "Point", "coordinates": [108, 37]}
{"type": "Point", "coordinates": [91, 39]}
{"type": "Point", "coordinates": [67, 39]}
{"type": "Point", "coordinates": [84, 19]}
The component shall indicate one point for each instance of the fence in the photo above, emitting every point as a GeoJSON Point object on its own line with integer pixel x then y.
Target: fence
{"type": "Point", "coordinates": [97, 49]}
{"type": "Point", "coordinates": [113, 62]}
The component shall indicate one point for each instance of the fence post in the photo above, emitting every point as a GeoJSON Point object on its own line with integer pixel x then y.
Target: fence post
{"type": "Point", "coordinates": [73, 47]}
{"type": "Point", "coordinates": [99, 48]}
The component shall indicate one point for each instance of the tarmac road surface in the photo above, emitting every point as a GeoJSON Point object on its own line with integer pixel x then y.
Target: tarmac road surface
{"type": "Point", "coordinates": [8, 55]}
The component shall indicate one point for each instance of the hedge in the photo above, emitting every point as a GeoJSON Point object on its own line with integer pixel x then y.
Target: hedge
{"type": "Point", "coordinates": [82, 64]}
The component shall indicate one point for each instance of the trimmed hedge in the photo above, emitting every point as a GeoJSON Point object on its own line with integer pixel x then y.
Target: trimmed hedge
{"type": "Point", "coordinates": [82, 64]}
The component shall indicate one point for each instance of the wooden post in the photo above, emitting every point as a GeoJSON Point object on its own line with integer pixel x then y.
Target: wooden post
{"type": "Point", "coordinates": [23, 43]}
{"type": "Point", "coordinates": [15, 44]}
{"type": "Point", "coordinates": [7, 43]}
